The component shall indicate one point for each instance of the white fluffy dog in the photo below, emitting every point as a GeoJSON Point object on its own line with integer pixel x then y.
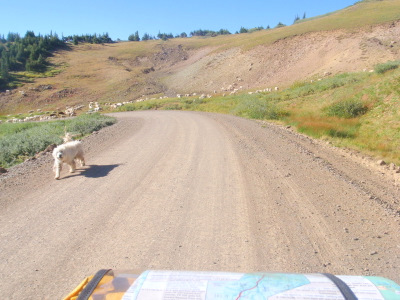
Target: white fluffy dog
{"type": "Point", "coordinates": [67, 153]}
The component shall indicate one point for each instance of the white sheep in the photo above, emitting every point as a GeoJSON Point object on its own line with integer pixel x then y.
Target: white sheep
{"type": "Point", "coordinates": [68, 137]}
{"type": "Point", "coordinates": [67, 153]}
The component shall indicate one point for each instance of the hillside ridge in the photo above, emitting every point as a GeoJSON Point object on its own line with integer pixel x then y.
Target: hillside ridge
{"type": "Point", "coordinates": [128, 71]}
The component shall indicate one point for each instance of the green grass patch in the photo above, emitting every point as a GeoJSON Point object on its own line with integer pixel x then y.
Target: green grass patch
{"type": "Point", "coordinates": [23, 140]}
{"type": "Point", "coordinates": [252, 107]}
{"type": "Point", "coordinates": [348, 108]}
{"type": "Point", "coordinates": [390, 65]}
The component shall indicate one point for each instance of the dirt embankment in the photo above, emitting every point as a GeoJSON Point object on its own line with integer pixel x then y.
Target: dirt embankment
{"type": "Point", "coordinates": [297, 58]}
{"type": "Point", "coordinates": [102, 73]}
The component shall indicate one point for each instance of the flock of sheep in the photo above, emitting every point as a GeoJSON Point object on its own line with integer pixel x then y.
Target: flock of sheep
{"type": "Point", "coordinates": [94, 106]}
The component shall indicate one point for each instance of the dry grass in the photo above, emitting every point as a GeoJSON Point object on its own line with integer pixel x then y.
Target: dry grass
{"type": "Point", "coordinates": [367, 13]}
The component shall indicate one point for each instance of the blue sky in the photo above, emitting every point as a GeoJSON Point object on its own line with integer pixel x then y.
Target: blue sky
{"type": "Point", "coordinates": [120, 18]}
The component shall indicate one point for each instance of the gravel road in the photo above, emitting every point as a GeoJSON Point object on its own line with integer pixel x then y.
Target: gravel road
{"type": "Point", "coordinates": [195, 191]}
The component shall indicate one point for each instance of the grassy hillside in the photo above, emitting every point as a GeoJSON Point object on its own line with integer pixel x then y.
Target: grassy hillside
{"type": "Point", "coordinates": [362, 14]}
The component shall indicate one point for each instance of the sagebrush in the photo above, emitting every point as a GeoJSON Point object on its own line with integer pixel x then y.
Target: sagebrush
{"type": "Point", "coordinates": [21, 141]}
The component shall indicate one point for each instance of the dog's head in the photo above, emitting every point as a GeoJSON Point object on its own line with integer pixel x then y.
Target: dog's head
{"type": "Point", "coordinates": [59, 154]}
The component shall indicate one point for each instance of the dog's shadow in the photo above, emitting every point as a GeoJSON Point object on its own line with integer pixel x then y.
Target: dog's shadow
{"type": "Point", "coordinates": [94, 171]}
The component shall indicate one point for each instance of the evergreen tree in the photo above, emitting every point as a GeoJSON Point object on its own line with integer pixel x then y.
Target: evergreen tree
{"type": "Point", "coordinates": [131, 37]}
{"type": "Point", "coordinates": [255, 29]}
{"type": "Point", "coordinates": [165, 36]}
{"type": "Point", "coordinates": [280, 25]}
{"type": "Point", "coordinates": [146, 37]}
{"type": "Point", "coordinates": [134, 37]}
{"type": "Point", "coordinates": [12, 37]}
{"type": "Point", "coordinates": [223, 32]}
{"type": "Point", "coordinates": [243, 30]}
{"type": "Point", "coordinates": [4, 71]}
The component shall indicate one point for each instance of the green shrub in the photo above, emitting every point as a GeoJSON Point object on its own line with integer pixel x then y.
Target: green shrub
{"type": "Point", "coordinates": [390, 65]}
{"type": "Point", "coordinates": [173, 106]}
{"type": "Point", "coordinates": [303, 89]}
{"type": "Point", "coordinates": [22, 140]}
{"type": "Point", "coordinates": [350, 108]}
{"type": "Point", "coordinates": [86, 124]}
{"type": "Point", "coordinates": [344, 134]}
{"type": "Point", "coordinates": [260, 109]}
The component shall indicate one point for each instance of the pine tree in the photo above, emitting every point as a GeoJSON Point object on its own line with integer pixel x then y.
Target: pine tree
{"type": "Point", "coordinates": [243, 30]}
{"type": "Point", "coordinates": [280, 24]}
{"type": "Point", "coordinates": [4, 72]}
{"type": "Point", "coordinates": [146, 37]}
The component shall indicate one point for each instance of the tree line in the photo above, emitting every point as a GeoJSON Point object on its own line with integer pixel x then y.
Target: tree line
{"type": "Point", "coordinates": [30, 52]}
{"type": "Point", "coordinates": [206, 33]}
{"type": "Point", "coordinates": [25, 53]}
{"type": "Point", "coordinates": [89, 38]}
{"type": "Point", "coordinates": [200, 32]}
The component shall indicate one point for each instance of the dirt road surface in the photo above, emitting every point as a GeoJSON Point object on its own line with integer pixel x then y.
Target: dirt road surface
{"type": "Point", "coordinates": [193, 191]}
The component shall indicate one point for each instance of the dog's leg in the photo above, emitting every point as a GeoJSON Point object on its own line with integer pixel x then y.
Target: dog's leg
{"type": "Point", "coordinates": [57, 168]}
{"type": "Point", "coordinates": [81, 159]}
{"type": "Point", "coordinates": [72, 166]}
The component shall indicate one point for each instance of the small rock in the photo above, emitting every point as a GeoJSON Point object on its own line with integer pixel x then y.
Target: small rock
{"type": "Point", "coordinates": [381, 162]}
{"type": "Point", "coordinates": [373, 253]}
{"type": "Point", "coordinates": [327, 264]}
{"type": "Point", "coordinates": [2, 170]}
{"type": "Point", "coordinates": [50, 148]}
